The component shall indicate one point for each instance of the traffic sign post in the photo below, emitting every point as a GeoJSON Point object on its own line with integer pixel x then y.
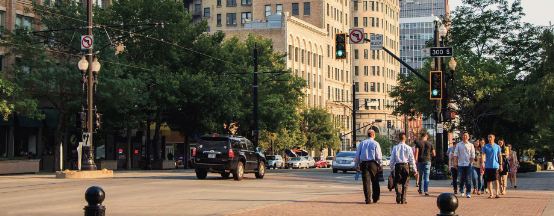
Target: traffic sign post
{"type": "Point", "coordinates": [440, 128]}
{"type": "Point", "coordinates": [441, 51]}
{"type": "Point", "coordinates": [356, 36]}
{"type": "Point", "coordinates": [376, 41]}
{"type": "Point", "coordinates": [86, 42]}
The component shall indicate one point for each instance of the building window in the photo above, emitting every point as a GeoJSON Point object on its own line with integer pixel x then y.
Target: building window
{"type": "Point", "coordinates": [315, 60]}
{"type": "Point", "coordinates": [24, 22]}
{"type": "Point", "coordinates": [347, 77]}
{"type": "Point", "coordinates": [377, 70]}
{"type": "Point", "coordinates": [357, 87]}
{"type": "Point", "coordinates": [2, 19]}
{"type": "Point", "coordinates": [377, 22]}
{"type": "Point", "coordinates": [279, 8]}
{"type": "Point", "coordinates": [306, 8]}
{"type": "Point", "coordinates": [246, 2]}
{"type": "Point", "coordinates": [320, 62]}
{"type": "Point", "coordinates": [372, 5]}
{"type": "Point", "coordinates": [356, 70]}
{"type": "Point", "coordinates": [267, 10]}
{"type": "Point", "coordinates": [99, 3]}
{"type": "Point", "coordinates": [206, 12]}
{"type": "Point", "coordinates": [303, 51]}
{"type": "Point", "coordinates": [346, 18]}
{"type": "Point", "coordinates": [219, 20]}
{"type": "Point", "coordinates": [373, 70]}
{"type": "Point", "coordinates": [373, 54]}
{"type": "Point", "coordinates": [197, 8]}
{"type": "Point", "coordinates": [231, 19]}
{"type": "Point", "coordinates": [365, 21]}
{"type": "Point", "coordinates": [366, 54]}
{"type": "Point", "coordinates": [219, 3]}
{"type": "Point", "coordinates": [366, 88]}
{"type": "Point", "coordinates": [355, 5]}
{"type": "Point", "coordinates": [372, 87]}
{"type": "Point", "coordinates": [296, 54]}
{"type": "Point", "coordinates": [378, 87]}
{"type": "Point", "coordinates": [290, 52]}
{"type": "Point", "coordinates": [365, 5]}
{"type": "Point", "coordinates": [231, 2]}
{"type": "Point", "coordinates": [355, 21]}
{"type": "Point", "coordinates": [244, 16]}
{"type": "Point", "coordinates": [372, 22]}
{"type": "Point", "coordinates": [327, 9]}
{"type": "Point", "coordinates": [366, 72]}
{"type": "Point", "coordinates": [355, 54]}
{"type": "Point", "coordinates": [295, 11]}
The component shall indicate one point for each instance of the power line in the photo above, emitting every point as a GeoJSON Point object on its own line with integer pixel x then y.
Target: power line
{"type": "Point", "coordinates": [146, 36]}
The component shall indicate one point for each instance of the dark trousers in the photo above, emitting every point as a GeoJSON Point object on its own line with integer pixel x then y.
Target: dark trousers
{"type": "Point", "coordinates": [465, 178]}
{"type": "Point", "coordinates": [370, 174]}
{"type": "Point", "coordinates": [401, 178]}
{"type": "Point", "coordinates": [454, 172]}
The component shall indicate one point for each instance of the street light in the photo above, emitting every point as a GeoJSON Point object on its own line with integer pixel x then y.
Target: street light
{"type": "Point", "coordinates": [452, 63]}
{"type": "Point", "coordinates": [95, 65]}
{"type": "Point", "coordinates": [442, 31]}
{"type": "Point", "coordinates": [83, 64]}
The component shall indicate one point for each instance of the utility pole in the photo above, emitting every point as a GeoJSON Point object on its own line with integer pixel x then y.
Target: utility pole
{"type": "Point", "coordinates": [256, 96]}
{"type": "Point", "coordinates": [88, 163]}
{"type": "Point", "coordinates": [355, 107]}
{"type": "Point", "coordinates": [439, 175]}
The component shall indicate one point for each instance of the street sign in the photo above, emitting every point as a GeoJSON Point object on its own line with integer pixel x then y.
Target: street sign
{"type": "Point", "coordinates": [440, 128]}
{"type": "Point", "coordinates": [86, 139]}
{"type": "Point", "coordinates": [86, 42]}
{"type": "Point", "coordinates": [376, 41]}
{"type": "Point", "coordinates": [356, 36]}
{"type": "Point", "coordinates": [425, 52]}
{"type": "Point", "coordinates": [441, 51]}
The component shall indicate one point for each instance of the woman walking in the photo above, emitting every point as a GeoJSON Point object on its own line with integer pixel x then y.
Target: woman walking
{"type": "Point", "coordinates": [504, 173]}
{"type": "Point", "coordinates": [514, 163]}
{"type": "Point", "coordinates": [477, 177]}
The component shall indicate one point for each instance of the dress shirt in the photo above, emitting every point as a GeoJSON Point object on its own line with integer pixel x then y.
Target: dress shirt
{"type": "Point", "coordinates": [465, 153]}
{"type": "Point", "coordinates": [368, 150]}
{"type": "Point", "coordinates": [402, 153]}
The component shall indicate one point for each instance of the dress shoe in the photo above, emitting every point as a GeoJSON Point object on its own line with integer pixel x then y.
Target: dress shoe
{"type": "Point", "coordinates": [398, 200]}
{"type": "Point", "coordinates": [367, 202]}
{"type": "Point", "coordinates": [375, 201]}
{"type": "Point", "coordinates": [404, 202]}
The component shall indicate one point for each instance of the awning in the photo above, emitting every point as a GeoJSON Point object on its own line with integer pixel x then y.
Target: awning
{"type": "Point", "coordinates": [9, 122]}
{"type": "Point", "coordinates": [164, 129]}
{"type": "Point", "coordinates": [290, 153]}
{"type": "Point", "coordinates": [300, 152]}
{"type": "Point", "coordinates": [28, 122]}
{"type": "Point", "coordinates": [52, 117]}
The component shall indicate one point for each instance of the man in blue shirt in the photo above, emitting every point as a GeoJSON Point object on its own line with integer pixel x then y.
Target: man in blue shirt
{"type": "Point", "coordinates": [491, 162]}
{"type": "Point", "coordinates": [402, 155]}
{"type": "Point", "coordinates": [369, 159]}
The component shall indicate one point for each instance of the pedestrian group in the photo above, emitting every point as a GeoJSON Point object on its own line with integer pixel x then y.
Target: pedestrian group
{"type": "Point", "coordinates": [485, 166]}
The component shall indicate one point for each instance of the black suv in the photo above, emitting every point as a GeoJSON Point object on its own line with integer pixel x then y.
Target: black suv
{"type": "Point", "coordinates": [226, 155]}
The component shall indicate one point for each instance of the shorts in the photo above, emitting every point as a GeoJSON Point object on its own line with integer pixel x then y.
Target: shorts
{"type": "Point", "coordinates": [490, 175]}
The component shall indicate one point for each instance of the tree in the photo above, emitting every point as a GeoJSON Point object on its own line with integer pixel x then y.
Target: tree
{"type": "Point", "coordinates": [319, 129]}
{"type": "Point", "coordinates": [385, 143]}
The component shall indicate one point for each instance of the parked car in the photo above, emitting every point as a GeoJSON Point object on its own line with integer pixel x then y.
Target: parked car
{"type": "Point", "coordinates": [297, 162]}
{"type": "Point", "coordinates": [226, 155]}
{"type": "Point", "coordinates": [386, 161]}
{"type": "Point", "coordinates": [329, 160]}
{"type": "Point", "coordinates": [311, 162]}
{"type": "Point", "coordinates": [275, 161]}
{"type": "Point", "coordinates": [320, 163]}
{"type": "Point", "coordinates": [345, 161]}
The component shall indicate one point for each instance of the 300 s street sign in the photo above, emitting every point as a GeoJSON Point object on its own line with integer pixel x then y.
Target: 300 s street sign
{"type": "Point", "coordinates": [441, 51]}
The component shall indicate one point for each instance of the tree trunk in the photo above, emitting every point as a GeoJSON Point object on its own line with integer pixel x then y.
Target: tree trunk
{"type": "Point", "coordinates": [157, 140]}
{"type": "Point", "coordinates": [129, 143]}
{"type": "Point", "coordinates": [58, 144]}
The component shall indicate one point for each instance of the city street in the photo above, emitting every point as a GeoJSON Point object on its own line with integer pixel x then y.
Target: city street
{"type": "Point", "coordinates": [281, 192]}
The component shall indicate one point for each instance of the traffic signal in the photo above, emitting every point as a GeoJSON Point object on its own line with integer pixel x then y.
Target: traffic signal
{"type": "Point", "coordinates": [435, 86]}
{"type": "Point", "coordinates": [389, 124]}
{"type": "Point", "coordinates": [449, 116]}
{"type": "Point", "coordinates": [81, 121]}
{"type": "Point", "coordinates": [340, 46]}
{"type": "Point", "coordinates": [97, 121]}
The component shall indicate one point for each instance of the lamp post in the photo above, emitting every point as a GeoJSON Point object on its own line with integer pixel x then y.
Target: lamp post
{"type": "Point", "coordinates": [441, 138]}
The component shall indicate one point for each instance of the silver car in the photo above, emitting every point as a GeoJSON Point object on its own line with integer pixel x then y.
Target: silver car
{"type": "Point", "coordinates": [275, 161]}
{"type": "Point", "coordinates": [344, 161]}
{"type": "Point", "coordinates": [329, 160]}
{"type": "Point", "coordinates": [311, 161]}
{"type": "Point", "coordinates": [297, 162]}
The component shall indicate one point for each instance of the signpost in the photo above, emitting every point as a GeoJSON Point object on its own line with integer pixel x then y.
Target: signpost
{"type": "Point", "coordinates": [441, 51]}
{"type": "Point", "coordinates": [376, 41]}
{"type": "Point", "coordinates": [440, 128]}
{"type": "Point", "coordinates": [86, 42]}
{"type": "Point", "coordinates": [356, 36]}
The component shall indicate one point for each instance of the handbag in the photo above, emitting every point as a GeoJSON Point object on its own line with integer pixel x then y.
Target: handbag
{"type": "Point", "coordinates": [391, 182]}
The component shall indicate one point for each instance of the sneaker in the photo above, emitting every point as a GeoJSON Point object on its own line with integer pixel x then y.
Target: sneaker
{"type": "Point", "coordinates": [468, 195]}
{"type": "Point", "coordinates": [462, 192]}
{"type": "Point", "coordinates": [455, 192]}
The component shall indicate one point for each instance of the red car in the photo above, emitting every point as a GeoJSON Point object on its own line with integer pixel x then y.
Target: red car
{"type": "Point", "coordinates": [320, 163]}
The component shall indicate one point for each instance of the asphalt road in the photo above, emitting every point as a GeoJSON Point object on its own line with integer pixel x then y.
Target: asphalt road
{"type": "Point", "coordinates": [169, 192]}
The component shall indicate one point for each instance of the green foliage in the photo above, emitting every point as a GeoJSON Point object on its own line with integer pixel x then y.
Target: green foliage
{"type": "Point", "coordinates": [319, 129]}
{"type": "Point", "coordinates": [385, 143]}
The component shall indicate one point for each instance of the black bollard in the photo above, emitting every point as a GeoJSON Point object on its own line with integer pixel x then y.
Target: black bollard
{"type": "Point", "coordinates": [447, 203]}
{"type": "Point", "coordinates": [94, 197]}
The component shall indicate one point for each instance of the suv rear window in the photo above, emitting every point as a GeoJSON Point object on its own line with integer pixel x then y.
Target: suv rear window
{"type": "Point", "coordinates": [346, 154]}
{"type": "Point", "coordinates": [213, 143]}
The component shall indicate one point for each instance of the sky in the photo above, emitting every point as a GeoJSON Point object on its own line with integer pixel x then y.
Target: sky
{"type": "Point", "coordinates": [538, 12]}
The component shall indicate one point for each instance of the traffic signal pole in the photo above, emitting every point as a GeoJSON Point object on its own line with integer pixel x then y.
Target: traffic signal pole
{"type": "Point", "coordinates": [256, 135]}
{"type": "Point", "coordinates": [88, 160]}
{"type": "Point", "coordinates": [355, 107]}
{"type": "Point", "coordinates": [439, 175]}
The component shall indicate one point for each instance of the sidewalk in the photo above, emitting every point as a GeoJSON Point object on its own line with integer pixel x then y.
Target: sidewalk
{"type": "Point", "coordinates": [532, 197]}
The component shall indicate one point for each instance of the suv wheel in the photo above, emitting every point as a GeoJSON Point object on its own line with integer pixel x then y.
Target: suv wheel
{"type": "Point", "coordinates": [200, 174]}
{"type": "Point", "coordinates": [261, 170]}
{"type": "Point", "coordinates": [225, 175]}
{"type": "Point", "coordinates": [239, 172]}
{"type": "Point", "coordinates": [335, 170]}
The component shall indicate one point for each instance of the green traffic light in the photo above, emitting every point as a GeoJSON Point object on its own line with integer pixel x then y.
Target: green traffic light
{"type": "Point", "coordinates": [340, 53]}
{"type": "Point", "coordinates": [435, 92]}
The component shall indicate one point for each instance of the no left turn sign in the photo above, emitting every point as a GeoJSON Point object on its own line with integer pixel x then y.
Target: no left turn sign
{"type": "Point", "coordinates": [356, 36]}
{"type": "Point", "coordinates": [86, 42]}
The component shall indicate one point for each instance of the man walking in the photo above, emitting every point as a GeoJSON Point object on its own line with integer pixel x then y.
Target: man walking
{"type": "Point", "coordinates": [491, 161]}
{"type": "Point", "coordinates": [424, 151]}
{"type": "Point", "coordinates": [453, 170]}
{"type": "Point", "coordinates": [369, 160]}
{"type": "Point", "coordinates": [400, 157]}
{"type": "Point", "coordinates": [463, 155]}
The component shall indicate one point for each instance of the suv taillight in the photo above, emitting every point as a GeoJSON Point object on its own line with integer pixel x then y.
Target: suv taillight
{"type": "Point", "coordinates": [231, 153]}
{"type": "Point", "coordinates": [333, 159]}
{"type": "Point", "coordinates": [354, 160]}
{"type": "Point", "coordinates": [194, 152]}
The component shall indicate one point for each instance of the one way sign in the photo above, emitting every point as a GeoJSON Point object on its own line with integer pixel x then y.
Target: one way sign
{"type": "Point", "coordinates": [356, 36]}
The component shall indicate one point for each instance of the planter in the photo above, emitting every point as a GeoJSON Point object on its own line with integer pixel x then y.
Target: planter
{"type": "Point", "coordinates": [106, 164]}
{"type": "Point", "coordinates": [163, 165]}
{"type": "Point", "coordinates": [19, 166]}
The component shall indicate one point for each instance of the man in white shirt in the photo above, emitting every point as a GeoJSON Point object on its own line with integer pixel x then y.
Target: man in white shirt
{"type": "Point", "coordinates": [400, 157]}
{"type": "Point", "coordinates": [463, 155]}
